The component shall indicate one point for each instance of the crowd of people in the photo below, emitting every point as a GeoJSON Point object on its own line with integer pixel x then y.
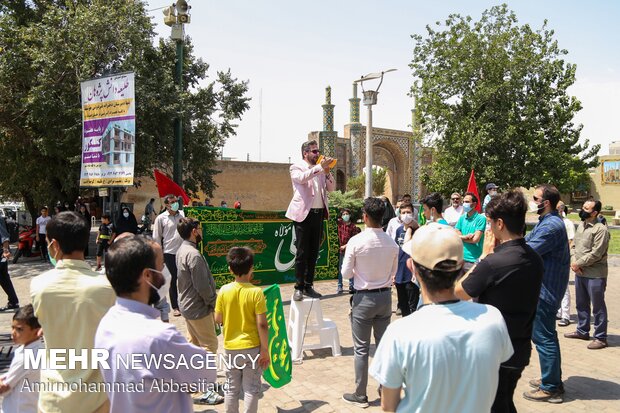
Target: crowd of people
{"type": "Point", "coordinates": [118, 312]}
{"type": "Point", "coordinates": [474, 291]}
{"type": "Point", "coordinates": [516, 283]}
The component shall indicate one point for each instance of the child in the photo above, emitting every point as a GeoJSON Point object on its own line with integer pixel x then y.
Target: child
{"type": "Point", "coordinates": [105, 237]}
{"type": "Point", "coordinates": [25, 332]}
{"type": "Point", "coordinates": [407, 290]}
{"type": "Point", "coordinates": [346, 230]}
{"type": "Point", "coordinates": [241, 308]}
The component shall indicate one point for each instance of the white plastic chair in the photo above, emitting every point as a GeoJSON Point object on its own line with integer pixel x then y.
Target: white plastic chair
{"type": "Point", "coordinates": [306, 323]}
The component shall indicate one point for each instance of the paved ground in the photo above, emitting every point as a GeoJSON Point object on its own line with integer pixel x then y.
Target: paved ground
{"type": "Point", "coordinates": [591, 378]}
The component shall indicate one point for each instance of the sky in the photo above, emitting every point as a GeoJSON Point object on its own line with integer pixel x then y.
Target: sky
{"type": "Point", "coordinates": [292, 50]}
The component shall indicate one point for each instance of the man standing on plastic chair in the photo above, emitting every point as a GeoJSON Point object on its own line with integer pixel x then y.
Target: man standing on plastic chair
{"type": "Point", "coordinates": [371, 258]}
{"type": "Point", "coordinates": [308, 208]}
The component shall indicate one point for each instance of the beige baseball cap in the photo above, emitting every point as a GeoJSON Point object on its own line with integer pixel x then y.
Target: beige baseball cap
{"type": "Point", "coordinates": [434, 243]}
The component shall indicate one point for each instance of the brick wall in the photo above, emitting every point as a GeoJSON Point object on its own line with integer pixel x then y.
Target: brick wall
{"type": "Point", "coordinates": [258, 185]}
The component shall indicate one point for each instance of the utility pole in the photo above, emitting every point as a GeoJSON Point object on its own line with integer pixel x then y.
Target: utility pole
{"type": "Point", "coordinates": [176, 16]}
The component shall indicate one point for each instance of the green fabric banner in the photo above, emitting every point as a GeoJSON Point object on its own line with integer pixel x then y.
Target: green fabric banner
{"type": "Point", "coordinates": [270, 235]}
{"type": "Point", "coordinates": [280, 370]}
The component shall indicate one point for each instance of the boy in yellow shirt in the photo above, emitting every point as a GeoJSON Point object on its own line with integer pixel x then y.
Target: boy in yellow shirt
{"type": "Point", "coordinates": [241, 308]}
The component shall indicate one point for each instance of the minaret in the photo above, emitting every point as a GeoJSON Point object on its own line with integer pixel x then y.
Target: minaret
{"type": "Point", "coordinates": [327, 137]}
{"type": "Point", "coordinates": [417, 155]}
{"type": "Point", "coordinates": [328, 111]}
{"type": "Point", "coordinates": [354, 112]}
{"type": "Point", "coordinates": [354, 131]}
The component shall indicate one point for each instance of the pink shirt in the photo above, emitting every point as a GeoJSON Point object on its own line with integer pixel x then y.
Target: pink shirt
{"type": "Point", "coordinates": [310, 188]}
{"type": "Point", "coordinates": [371, 259]}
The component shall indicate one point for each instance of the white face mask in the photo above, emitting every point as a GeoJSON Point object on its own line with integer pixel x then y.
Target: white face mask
{"type": "Point", "coordinates": [126, 214]}
{"type": "Point", "coordinates": [467, 206]}
{"type": "Point", "coordinates": [406, 218]}
{"type": "Point", "coordinates": [165, 288]}
{"type": "Point", "coordinates": [533, 206]}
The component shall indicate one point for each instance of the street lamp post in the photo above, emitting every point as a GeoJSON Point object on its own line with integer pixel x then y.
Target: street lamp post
{"type": "Point", "coordinates": [176, 16]}
{"type": "Point", "coordinates": [370, 99]}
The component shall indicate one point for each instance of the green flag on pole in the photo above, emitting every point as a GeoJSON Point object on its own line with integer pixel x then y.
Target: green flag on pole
{"type": "Point", "coordinates": [280, 367]}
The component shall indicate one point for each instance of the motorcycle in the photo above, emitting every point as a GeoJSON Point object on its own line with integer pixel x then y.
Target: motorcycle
{"type": "Point", "coordinates": [144, 227]}
{"type": "Point", "coordinates": [26, 242]}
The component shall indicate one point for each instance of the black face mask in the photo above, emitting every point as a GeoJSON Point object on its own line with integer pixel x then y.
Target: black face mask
{"type": "Point", "coordinates": [153, 297]}
{"type": "Point", "coordinates": [584, 215]}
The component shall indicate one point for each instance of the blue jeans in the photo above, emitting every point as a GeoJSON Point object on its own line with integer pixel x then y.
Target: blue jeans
{"type": "Point", "coordinates": [545, 338]}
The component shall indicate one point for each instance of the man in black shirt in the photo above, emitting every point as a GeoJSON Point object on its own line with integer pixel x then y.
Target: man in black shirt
{"type": "Point", "coordinates": [508, 279]}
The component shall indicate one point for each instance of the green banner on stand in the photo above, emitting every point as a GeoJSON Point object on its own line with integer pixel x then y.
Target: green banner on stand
{"type": "Point", "coordinates": [280, 370]}
{"type": "Point", "coordinates": [270, 235]}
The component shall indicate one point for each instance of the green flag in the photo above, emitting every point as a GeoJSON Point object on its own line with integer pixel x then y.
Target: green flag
{"type": "Point", "coordinates": [280, 367]}
{"type": "Point", "coordinates": [421, 217]}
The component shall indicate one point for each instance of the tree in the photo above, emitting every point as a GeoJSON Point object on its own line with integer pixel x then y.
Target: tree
{"type": "Point", "coordinates": [347, 200]}
{"type": "Point", "coordinates": [358, 183]}
{"type": "Point", "coordinates": [48, 46]}
{"type": "Point", "coordinates": [492, 96]}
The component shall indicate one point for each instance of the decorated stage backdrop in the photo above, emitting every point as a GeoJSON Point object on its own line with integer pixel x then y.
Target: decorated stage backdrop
{"type": "Point", "coordinates": [270, 235]}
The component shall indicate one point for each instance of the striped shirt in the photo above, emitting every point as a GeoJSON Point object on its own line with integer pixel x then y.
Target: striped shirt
{"type": "Point", "coordinates": [549, 240]}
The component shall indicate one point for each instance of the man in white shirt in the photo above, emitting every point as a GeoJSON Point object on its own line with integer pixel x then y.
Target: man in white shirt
{"type": "Point", "coordinates": [447, 354]}
{"type": "Point", "coordinates": [41, 231]}
{"type": "Point", "coordinates": [134, 267]}
{"type": "Point", "coordinates": [165, 233]}
{"type": "Point", "coordinates": [455, 210]}
{"type": "Point", "coordinates": [371, 259]}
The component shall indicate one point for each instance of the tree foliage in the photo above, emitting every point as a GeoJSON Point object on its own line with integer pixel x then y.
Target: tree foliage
{"type": "Point", "coordinates": [48, 46]}
{"type": "Point", "coordinates": [358, 183]}
{"type": "Point", "coordinates": [348, 200]}
{"type": "Point", "coordinates": [492, 95]}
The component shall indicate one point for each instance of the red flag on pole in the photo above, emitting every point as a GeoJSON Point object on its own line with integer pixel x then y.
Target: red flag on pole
{"type": "Point", "coordinates": [167, 186]}
{"type": "Point", "coordinates": [473, 188]}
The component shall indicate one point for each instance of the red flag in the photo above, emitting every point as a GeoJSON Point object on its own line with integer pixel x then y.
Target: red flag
{"type": "Point", "coordinates": [473, 188]}
{"type": "Point", "coordinates": [167, 186]}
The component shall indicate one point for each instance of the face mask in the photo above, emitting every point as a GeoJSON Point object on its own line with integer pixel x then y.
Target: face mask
{"type": "Point", "coordinates": [345, 218]}
{"type": "Point", "coordinates": [126, 214]}
{"type": "Point", "coordinates": [467, 206]}
{"type": "Point", "coordinates": [584, 215]}
{"type": "Point", "coordinates": [158, 294]}
{"type": "Point", "coordinates": [493, 193]}
{"type": "Point", "coordinates": [174, 206]}
{"type": "Point", "coordinates": [406, 218]}
{"type": "Point", "coordinates": [535, 207]}
{"type": "Point", "coordinates": [224, 206]}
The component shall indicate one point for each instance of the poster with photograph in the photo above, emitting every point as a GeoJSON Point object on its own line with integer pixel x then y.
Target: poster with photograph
{"type": "Point", "coordinates": [611, 171]}
{"type": "Point", "coordinates": [109, 131]}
